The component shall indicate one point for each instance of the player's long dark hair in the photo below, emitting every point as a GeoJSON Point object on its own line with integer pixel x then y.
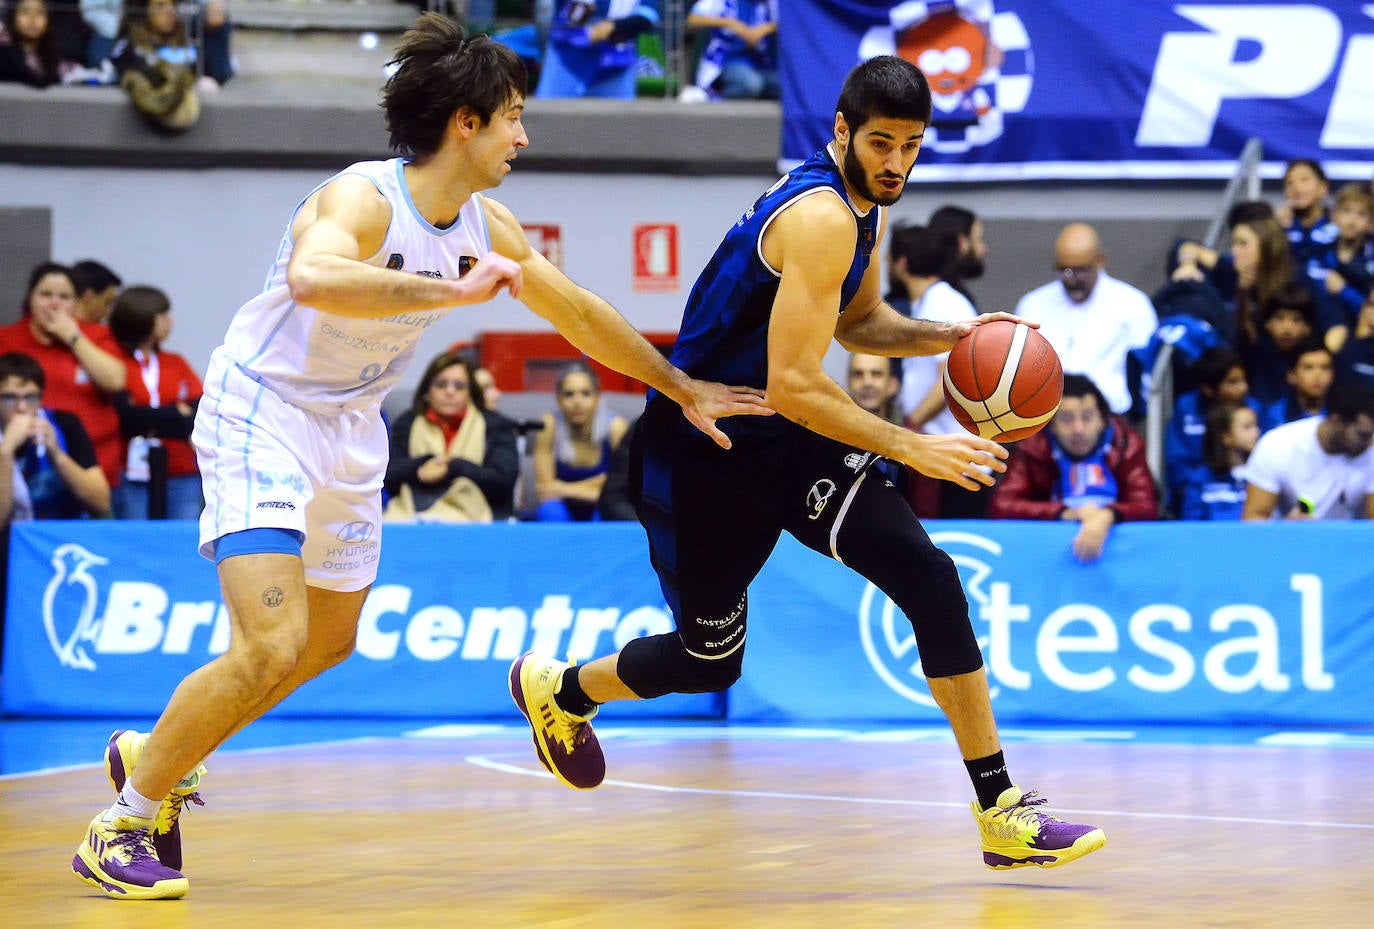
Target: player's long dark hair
{"type": "Point", "coordinates": [439, 70]}
{"type": "Point", "coordinates": [885, 86]}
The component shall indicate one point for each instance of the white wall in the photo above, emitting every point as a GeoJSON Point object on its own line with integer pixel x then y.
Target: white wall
{"type": "Point", "coordinates": [207, 237]}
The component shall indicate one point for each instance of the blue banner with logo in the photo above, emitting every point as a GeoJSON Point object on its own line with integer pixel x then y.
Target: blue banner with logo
{"type": "Point", "coordinates": [1066, 89]}
{"type": "Point", "coordinates": [105, 618]}
{"type": "Point", "coordinates": [1178, 623]}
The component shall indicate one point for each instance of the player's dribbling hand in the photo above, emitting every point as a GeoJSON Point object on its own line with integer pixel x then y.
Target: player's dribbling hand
{"type": "Point", "coordinates": [964, 327]}
{"type": "Point", "coordinates": [492, 274]}
{"type": "Point", "coordinates": [962, 459]}
{"type": "Point", "coordinates": [709, 402]}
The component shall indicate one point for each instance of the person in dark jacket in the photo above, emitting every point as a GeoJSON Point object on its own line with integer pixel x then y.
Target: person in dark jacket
{"type": "Point", "coordinates": [1088, 466]}
{"type": "Point", "coordinates": [452, 459]}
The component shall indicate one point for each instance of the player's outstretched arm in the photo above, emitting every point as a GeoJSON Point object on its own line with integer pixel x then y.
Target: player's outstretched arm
{"type": "Point", "coordinates": [347, 222]}
{"type": "Point", "coordinates": [594, 326]}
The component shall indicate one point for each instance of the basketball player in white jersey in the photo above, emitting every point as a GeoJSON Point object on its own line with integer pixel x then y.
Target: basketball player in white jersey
{"type": "Point", "coordinates": [289, 435]}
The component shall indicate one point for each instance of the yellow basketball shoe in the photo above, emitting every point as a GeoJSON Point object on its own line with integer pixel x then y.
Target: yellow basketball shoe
{"type": "Point", "coordinates": [122, 754]}
{"type": "Point", "coordinates": [1016, 834]}
{"type": "Point", "coordinates": [565, 743]}
{"type": "Point", "coordinates": [118, 858]}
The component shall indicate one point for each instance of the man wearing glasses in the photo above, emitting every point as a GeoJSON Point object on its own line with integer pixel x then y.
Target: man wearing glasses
{"type": "Point", "coordinates": [1091, 318]}
{"type": "Point", "coordinates": [48, 468]}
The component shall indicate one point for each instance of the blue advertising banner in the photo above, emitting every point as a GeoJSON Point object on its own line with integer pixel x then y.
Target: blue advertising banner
{"type": "Point", "coordinates": [1066, 89]}
{"type": "Point", "coordinates": [106, 618]}
{"type": "Point", "coordinates": [1178, 623]}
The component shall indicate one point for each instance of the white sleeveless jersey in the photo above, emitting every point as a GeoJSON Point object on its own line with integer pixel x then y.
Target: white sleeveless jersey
{"type": "Point", "coordinates": [323, 361]}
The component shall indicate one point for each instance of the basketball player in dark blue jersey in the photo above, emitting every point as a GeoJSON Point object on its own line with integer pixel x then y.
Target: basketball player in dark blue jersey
{"type": "Point", "coordinates": [793, 273]}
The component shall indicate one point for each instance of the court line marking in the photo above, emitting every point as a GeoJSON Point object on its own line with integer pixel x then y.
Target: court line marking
{"type": "Point", "coordinates": [488, 761]}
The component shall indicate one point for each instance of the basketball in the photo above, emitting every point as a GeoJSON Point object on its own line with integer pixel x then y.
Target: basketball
{"type": "Point", "coordinates": [1003, 381]}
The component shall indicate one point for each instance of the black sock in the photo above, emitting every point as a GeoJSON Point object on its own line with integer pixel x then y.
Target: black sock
{"type": "Point", "coordinates": [569, 695]}
{"type": "Point", "coordinates": [990, 778]}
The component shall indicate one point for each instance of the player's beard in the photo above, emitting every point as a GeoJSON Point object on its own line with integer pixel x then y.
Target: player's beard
{"type": "Point", "coordinates": [854, 174]}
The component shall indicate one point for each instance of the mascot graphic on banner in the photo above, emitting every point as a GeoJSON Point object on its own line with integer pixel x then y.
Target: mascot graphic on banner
{"type": "Point", "coordinates": [978, 62]}
{"type": "Point", "coordinates": [886, 633]}
{"type": "Point", "coordinates": [69, 603]}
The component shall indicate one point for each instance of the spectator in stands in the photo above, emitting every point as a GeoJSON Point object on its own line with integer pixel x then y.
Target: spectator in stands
{"type": "Point", "coordinates": [971, 257]}
{"type": "Point", "coordinates": [1214, 488]}
{"type": "Point", "coordinates": [48, 469]}
{"type": "Point", "coordinates": [740, 57]}
{"type": "Point", "coordinates": [920, 256]}
{"type": "Point", "coordinates": [82, 364]}
{"type": "Point", "coordinates": [486, 383]}
{"type": "Point", "coordinates": [96, 289]}
{"type": "Point", "coordinates": [1191, 260]}
{"type": "Point", "coordinates": [1345, 268]}
{"type": "Point", "coordinates": [1355, 361]}
{"type": "Point", "coordinates": [593, 48]}
{"type": "Point", "coordinates": [30, 47]}
{"type": "Point", "coordinates": [572, 453]}
{"type": "Point", "coordinates": [1317, 468]}
{"type": "Point", "coordinates": [1306, 221]}
{"type": "Point", "coordinates": [1221, 381]}
{"type": "Point", "coordinates": [873, 383]}
{"type": "Point", "coordinates": [1091, 318]}
{"type": "Point", "coordinates": [156, 411]}
{"type": "Point", "coordinates": [1309, 379]}
{"type": "Point", "coordinates": [156, 32]}
{"type": "Point", "coordinates": [103, 18]}
{"type": "Point", "coordinates": [1287, 320]}
{"type": "Point", "coordinates": [1088, 467]}
{"type": "Point", "coordinates": [452, 459]}
{"type": "Point", "coordinates": [615, 503]}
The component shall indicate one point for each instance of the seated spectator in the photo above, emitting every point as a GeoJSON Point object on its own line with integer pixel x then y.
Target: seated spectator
{"type": "Point", "coordinates": [1221, 382]}
{"type": "Point", "coordinates": [82, 364]}
{"type": "Point", "coordinates": [1345, 268]}
{"type": "Point", "coordinates": [486, 383]}
{"type": "Point", "coordinates": [30, 46]}
{"type": "Point", "coordinates": [616, 503]}
{"type": "Point", "coordinates": [103, 18]}
{"type": "Point", "coordinates": [1307, 224]}
{"type": "Point", "coordinates": [157, 411]}
{"type": "Point", "coordinates": [971, 256]}
{"type": "Point", "coordinates": [740, 59]}
{"type": "Point", "coordinates": [593, 48]}
{"type": "Point", "coordinates": [48, 469]}
{"type": "Point", "coordinates": [873, 384]}
{"type": "Point", "coordinates": [1192, 260]}
{"type": "Point", "coordinates": [1087, 466]}
{"type": "Point", "coordinates": [920, 255]}
{"type": "Point", "coordinates": [1214, 489]}
{"type": "Point", "coordinates": [96, 289]}
{"type": "Point", "coordinates": [156, 32]}
{"type": "Point", "coordinates": [1287, 321]}
{"type": "Point", "coordinates": [1309, 379]}
{"type": "Point", "coordinates": [1092, 319]}
{"type": "Point", "coordinates": [1355, 361]}
{"type": "Point", "coordinates": [572, 453]}
{"type": "Point", "coordinates": [452, 459]}
{"type": "Point", "coordinates": [1317, 468]}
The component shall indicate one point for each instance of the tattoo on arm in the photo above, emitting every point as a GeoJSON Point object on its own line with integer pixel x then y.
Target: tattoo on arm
{"type": "Point", "coordinates": [273, 597]}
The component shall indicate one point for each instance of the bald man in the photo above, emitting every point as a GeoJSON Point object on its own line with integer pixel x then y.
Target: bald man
{"type": "Point", "coordinates": [1091, 318]}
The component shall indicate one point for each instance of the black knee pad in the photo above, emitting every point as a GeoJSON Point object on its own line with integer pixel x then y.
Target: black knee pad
{"type": "Point", "coordinates": [661, 664]}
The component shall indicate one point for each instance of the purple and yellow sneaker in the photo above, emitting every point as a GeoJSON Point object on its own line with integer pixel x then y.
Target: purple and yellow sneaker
{"type": "Point", "coordinates": [1016, 834]}
{"type": "Point", "coordinates": [118, 857]}
{"type": "Point", "coordinates": [122, 754]}
{"type": "Point", "coordinates": [565, 743]}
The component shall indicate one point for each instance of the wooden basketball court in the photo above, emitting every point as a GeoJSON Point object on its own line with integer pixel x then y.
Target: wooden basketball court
{"type": "Point", "coordinates": [715, 831]}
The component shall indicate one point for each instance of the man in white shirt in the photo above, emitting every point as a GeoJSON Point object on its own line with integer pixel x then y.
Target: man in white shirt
{"type": "Point", "coordinates": [1321, 467]}
{"type": "Point", "coordinates": [1091, 318]}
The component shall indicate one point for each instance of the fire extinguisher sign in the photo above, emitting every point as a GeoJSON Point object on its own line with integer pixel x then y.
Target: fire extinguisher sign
{"type": "Point", "coordinates": [656, 257]}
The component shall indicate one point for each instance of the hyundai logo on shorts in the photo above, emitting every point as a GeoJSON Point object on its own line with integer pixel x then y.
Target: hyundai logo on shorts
{"type": "Point", "coordinates": [360, 530]}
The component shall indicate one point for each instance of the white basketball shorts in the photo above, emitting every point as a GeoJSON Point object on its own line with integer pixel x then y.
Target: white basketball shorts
{"type": "Point", "coordinates": [269, 464]}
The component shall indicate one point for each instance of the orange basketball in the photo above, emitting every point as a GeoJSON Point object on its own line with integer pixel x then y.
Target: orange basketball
{"type": "Point", "coordinates": [1003, 381]}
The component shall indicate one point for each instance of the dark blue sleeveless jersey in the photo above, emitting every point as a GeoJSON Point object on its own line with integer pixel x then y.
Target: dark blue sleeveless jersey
{"type": "Point", "coordinates": [724, 332]}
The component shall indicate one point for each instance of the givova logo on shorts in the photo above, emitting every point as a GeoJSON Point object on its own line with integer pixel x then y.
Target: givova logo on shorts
{"type": "Point", "coordinates": [1082, 647]}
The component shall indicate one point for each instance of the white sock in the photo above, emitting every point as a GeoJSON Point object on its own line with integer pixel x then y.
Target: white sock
{"type": "Point", "coordinates": [132, 803]}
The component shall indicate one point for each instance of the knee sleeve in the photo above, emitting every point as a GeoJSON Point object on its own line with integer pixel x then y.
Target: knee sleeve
{"type": "Point", "coordinates": [660, 664]}
{"type": "Point", "coordinates": [884, 542]}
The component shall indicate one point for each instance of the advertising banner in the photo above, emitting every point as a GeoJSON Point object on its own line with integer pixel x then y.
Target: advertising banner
{"type": "Point", "coordinates": [1066, 89]}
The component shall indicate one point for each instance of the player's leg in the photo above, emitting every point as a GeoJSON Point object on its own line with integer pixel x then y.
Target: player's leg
{"type": "Point", "coordinates": [872, 531]}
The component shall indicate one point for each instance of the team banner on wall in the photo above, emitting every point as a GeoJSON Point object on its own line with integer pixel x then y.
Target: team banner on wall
{"type": "Point", "coordinates": [1067, 89]}
{"type": "Point", "coordinates": [1178, 623]}
{"type": "Point", "coordinates": [105, 618]}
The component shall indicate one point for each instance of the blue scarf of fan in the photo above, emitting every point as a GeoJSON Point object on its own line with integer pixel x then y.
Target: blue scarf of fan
{"type": "Point", "coordinates": [1087, 480]}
